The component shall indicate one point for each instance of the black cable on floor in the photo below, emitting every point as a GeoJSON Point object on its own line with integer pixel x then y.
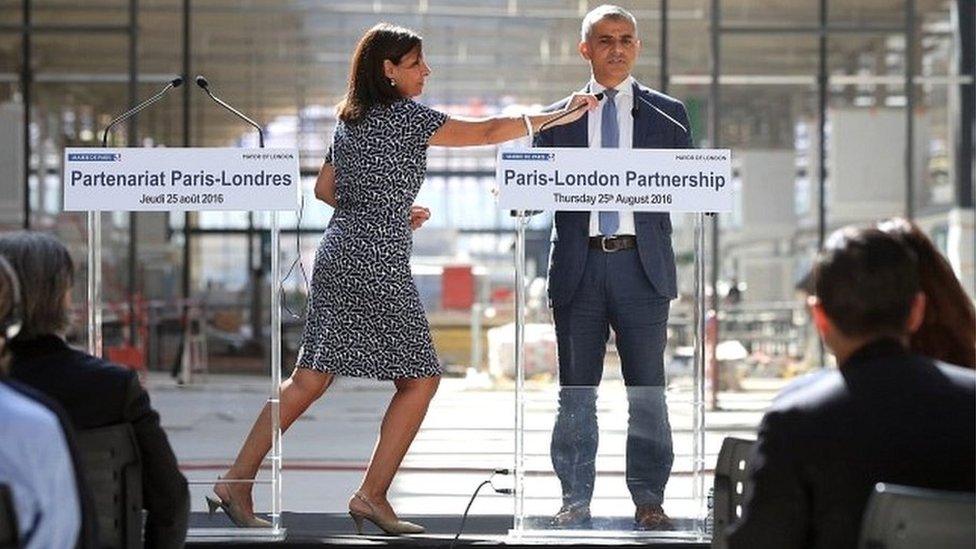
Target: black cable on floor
{"type": "Point", "coordinates": [464, 517]}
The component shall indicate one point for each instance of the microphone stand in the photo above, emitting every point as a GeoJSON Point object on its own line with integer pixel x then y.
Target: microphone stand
{"type": "Point", "coordinates": [174, 83]}
{"type": "Point", "coordinates": [205, 86]}
{"type": "Point", "coordinates": [94, 237]}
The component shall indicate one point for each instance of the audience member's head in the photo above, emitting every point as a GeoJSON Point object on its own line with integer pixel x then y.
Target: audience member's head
{"type": "Point", "coordinates": [866, 287]}
{"type": "Point", "coordinates": [948, 331]}
{"type": "Point", "coordinates": [46, 273]}
{"type": "Point", "coordinates": [9, 309]}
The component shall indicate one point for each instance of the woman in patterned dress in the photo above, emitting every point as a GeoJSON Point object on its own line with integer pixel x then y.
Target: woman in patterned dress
{"type": "Point", "coordinates": [365, 318]}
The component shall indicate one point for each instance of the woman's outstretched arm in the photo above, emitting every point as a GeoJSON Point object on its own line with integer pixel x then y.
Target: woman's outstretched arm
{"type": "Point", "coordinates": [464, 132]}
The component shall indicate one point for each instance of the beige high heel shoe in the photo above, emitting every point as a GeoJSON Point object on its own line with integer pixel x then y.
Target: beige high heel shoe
{"type": "Point", "coordinates": [235, 513]}
{"type": "Point", "coordinates": [361, 508]}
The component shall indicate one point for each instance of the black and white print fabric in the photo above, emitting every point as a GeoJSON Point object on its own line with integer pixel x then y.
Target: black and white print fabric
{"type": "Point", "coordinates": [365, 318]}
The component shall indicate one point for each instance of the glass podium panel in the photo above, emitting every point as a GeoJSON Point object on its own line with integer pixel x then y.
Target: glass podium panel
{"type": "Point", "coordinates": [597, 453]}
{"type": "Point", "coordinates": [206, 421]}
{"type": "Point", "coordinates": [207, 375]}
{"type": "Point", "coordinates": [607, 447]}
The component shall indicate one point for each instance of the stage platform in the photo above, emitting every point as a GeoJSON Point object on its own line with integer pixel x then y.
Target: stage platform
{"type": "Point", "coordinates": [334, 530]}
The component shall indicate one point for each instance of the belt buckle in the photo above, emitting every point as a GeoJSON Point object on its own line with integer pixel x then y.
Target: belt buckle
{"type": "Point", "coordinates": [603, 244]}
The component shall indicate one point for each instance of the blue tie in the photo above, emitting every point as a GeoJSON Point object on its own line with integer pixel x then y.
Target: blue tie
{"type": "Point", "coordinates": [609, 139]}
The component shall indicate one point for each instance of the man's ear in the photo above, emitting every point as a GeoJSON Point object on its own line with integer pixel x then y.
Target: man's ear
{"type": "Point", "coordinates": [389, 69]}
{"type": "Point", "coordinates": [820, 320]}
{"type": "Point", "coordinates": [584, 50]}
{"type": "Point", "coordinates": [917, 313]}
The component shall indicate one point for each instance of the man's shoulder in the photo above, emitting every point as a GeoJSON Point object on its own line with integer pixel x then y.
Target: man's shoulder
{"type": "Point", "coordinates": [928, 374]}
{"type": "Point", "coordinates": [959, 375]}
{"type": "Point", "coordinates": [71, 365]}
{"type": "Point", "coordinates": [658, 98]}
{"type": "Point", "coordinates": [960, 381]}
{"type": "Point", "coordinates": [809, 393]}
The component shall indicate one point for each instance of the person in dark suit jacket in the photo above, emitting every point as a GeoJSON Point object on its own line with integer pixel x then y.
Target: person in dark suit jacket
{"type": "Point", "coordinates": [885, 415]}
{"type": "Point", "coordinates": [93, 392]}
{"type": "Point", "coordinates": [613, 270]}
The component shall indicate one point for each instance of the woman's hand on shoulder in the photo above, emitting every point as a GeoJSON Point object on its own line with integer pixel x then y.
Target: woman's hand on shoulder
{"type": "Point", "coordinates": [418, 215]}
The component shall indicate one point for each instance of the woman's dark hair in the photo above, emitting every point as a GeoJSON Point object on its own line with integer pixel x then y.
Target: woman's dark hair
{"type": "Point", "coordinates": [368, 84]}
{"type": "Point", "coordinates": [948, 332]}
{"type": "Point", "coordinates": [45, 272]}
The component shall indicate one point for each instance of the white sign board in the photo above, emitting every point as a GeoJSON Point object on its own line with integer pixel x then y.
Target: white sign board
{"type": "Point", "coordinates": [672, 180]}
{"type": "Point", "coordinates": [180, 179]}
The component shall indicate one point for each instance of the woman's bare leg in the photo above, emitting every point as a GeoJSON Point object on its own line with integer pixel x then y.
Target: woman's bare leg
{"type": "Point", "coordinates": [400, 425]}
{"type": "Point", "coordinates": [299, 391]}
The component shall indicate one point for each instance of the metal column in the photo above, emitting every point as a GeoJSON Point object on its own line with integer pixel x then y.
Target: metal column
{"type": "Point", "coordinates": [94, 219]}
{"type": "Point", "coordinates": [909, 109]}
{"type": "Point", "coordinates": [132, 141]}
{"type": "Point", "coordinates": [665, 77]}
{"type": "Point", "coordinates": [714, 118]}
{"type": "Point", "coordinates": [26, 81]}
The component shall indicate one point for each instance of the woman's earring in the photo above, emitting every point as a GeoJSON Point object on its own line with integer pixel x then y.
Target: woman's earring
{"type": "Point", "coordinates": [393, 82]}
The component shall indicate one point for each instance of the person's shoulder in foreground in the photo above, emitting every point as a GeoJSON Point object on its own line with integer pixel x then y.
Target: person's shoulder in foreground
{"type": "Point", "coordinates": [885, 415]}
{"type": "Point", "coordinates": [39, 471]}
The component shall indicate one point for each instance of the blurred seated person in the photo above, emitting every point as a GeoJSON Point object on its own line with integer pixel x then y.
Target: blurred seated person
{"type": "Point", "coordinates": [35, 462]}
{"type": "Point", "coordinates": [885, 415]}
{"type": "Point", "coordinates": [93, 392]}
{"type": "Point", "coordinates": [948, 331]}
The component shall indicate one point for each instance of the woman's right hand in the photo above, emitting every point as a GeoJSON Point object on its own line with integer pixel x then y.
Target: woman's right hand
{"type": "Point", "coordinates": [583, 102]}
{"type": "Point", "coordinates": [418, 215]}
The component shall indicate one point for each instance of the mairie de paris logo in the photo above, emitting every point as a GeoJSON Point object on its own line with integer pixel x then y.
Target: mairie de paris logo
{"type": "Point", "coordinates": [531, 156]}
{"type": "Point", "coordinates": [94, 157]}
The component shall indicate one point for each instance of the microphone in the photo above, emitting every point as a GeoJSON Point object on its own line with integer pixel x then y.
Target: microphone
{"type": "Point", "coordinates": [640, 99]}
{"type": "Point", "coordinates": [547, 123]}
{"type": "Point", "coordinates": [174, 83]}
{"type": "Point", "coordinates": [202, 82]}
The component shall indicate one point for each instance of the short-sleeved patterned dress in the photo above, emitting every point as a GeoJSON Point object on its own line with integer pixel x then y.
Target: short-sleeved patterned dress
{"type": "Point", "coordinates": [365, 318]}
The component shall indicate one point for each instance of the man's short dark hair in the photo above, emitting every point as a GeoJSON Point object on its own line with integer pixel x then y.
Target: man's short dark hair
{"type": "Point", "coordinates": [866, 281]}
{"type": "Point", "coordinates": [45, 272]}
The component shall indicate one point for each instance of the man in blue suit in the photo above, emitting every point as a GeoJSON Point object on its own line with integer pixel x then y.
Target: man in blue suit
{"type": "Point", "coordinates": [614, 270]}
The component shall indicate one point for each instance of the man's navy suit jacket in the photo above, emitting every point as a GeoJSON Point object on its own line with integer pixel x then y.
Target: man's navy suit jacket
{"type": "Point", "coordinates": [663, 127]}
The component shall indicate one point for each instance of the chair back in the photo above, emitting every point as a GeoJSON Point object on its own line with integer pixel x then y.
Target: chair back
{"type": "Point", "coordinates": [731, 476]}
{"type": "Point", "coordinates": [900, 517]}
{"type": "Point", "coordinates": [8, 519]}
{"type": "Point", "coordinates": [113, 469]}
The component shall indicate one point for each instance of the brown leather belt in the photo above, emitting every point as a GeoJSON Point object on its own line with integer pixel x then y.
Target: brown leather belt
{"type": "Point", "coordinates": [612, 244]}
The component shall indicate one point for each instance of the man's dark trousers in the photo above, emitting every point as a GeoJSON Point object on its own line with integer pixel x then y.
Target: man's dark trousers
{"type": "Point", "coordinates": [592, 291]}
{"type": "Point", "coordinates": [626, 302]}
